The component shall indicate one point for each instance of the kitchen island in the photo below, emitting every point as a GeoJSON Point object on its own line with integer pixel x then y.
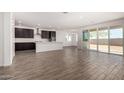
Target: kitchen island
{"type": "Point", "coordinates": [48, 46]}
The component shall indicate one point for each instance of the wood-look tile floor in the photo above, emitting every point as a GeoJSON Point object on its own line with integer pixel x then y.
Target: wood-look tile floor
{"type": "Point", "coordinates": [67, 64]}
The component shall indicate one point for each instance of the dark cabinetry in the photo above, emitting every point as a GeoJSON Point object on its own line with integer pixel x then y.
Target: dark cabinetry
{"type": "Point", "coordinates": [24, 33]}
{"type": "Point", "coordinates": [24, 46]}
{"type": "Point", "coordinates": [45, 34]}
{"type": "Point", "coordinates": [50, 35]}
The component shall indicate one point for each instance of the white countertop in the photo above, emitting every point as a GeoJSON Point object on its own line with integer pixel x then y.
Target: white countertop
{"type": "Point", "coordinates": [24, 40]}
{"type": "Point", "coordinates": [48, 46]}
{"type": "Point", "coordinates": [47, 42]}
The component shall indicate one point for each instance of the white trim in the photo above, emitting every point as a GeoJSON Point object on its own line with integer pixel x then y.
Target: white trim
{"type": "Point", "coordinates": [123, 40]}
{"type": "Point", "coordinates": [24, 27]}
{"type": "Point", "coordinates": [108, 39]}
{"type": "Point", "coordinates": [97, 30]}
{"type": "Point", "coordinates": [88, 47]}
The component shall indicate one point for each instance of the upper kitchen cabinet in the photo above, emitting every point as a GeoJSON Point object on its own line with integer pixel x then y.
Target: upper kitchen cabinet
{"type": "Point", "coordinates": [24, 33]}
{"type": "Point", "coordinates": [45, 34]}
{"type": "Point", "coordinates": [50, 35]}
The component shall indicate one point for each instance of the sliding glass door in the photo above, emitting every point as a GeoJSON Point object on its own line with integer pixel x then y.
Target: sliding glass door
{"type": "Point", "coordinates": [93, 39]}
{"type": "Point", "coordinates": [116, 41]}
{"type": "Point", "coordinates": [103, 40]}
{"type": "Point", "coordinates": [107, 40]}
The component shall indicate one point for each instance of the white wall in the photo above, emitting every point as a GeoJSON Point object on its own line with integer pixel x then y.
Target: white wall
{"type": "Point", "coordinates": [61, 37]}
{"type": "Point", "coordinates": [1, 39]}
{"type": "Point", "coordinates": [13, 35]}
{"type": "Point", "coordinates": [6, 48]}
{"type": "Point", "coordinates": [119, 22]}
{"type": "Point", "coordinates": [80, 43]}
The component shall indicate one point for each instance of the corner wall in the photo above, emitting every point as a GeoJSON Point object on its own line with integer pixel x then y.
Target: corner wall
{"type": "Point", "coordinates": [6, 48]}
{"type": "Point", "coordinates": [1, 39]}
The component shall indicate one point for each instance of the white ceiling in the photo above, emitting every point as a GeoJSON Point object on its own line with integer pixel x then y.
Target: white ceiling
{"type": "Point", "coordinates": [59, 20]}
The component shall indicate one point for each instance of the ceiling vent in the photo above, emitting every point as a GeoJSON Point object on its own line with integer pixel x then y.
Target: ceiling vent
{"type": "Point", "coordinates": [65, 12]}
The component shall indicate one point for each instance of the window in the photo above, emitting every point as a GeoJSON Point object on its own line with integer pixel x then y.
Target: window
{"type": "Point", "coordinates": [85, 39]}
{"type": "Point", "coordinates": [116, 41]}
{"type": "Point", "coordinates": [93, 39]}
{"type": "Point", "coordinates": [103, 40]}
{"type": "Point", "coordinates": [85, 36]}
{"type": "Point", "coordinates": [68, 38]}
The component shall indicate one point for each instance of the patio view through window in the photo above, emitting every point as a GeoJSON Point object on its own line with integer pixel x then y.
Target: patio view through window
{"type": "Point", "coordinates": [93, 40]}
{"type": "Point", "coordinates": [103, 40]}
{"type": "Point", "coordinates": [110, 41]}
{"type": "Point", "coordinates": [116, 41]}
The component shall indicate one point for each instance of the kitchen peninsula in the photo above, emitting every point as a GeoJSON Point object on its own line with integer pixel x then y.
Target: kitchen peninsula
{"type": "Point", "coordinates": [48, 46]}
